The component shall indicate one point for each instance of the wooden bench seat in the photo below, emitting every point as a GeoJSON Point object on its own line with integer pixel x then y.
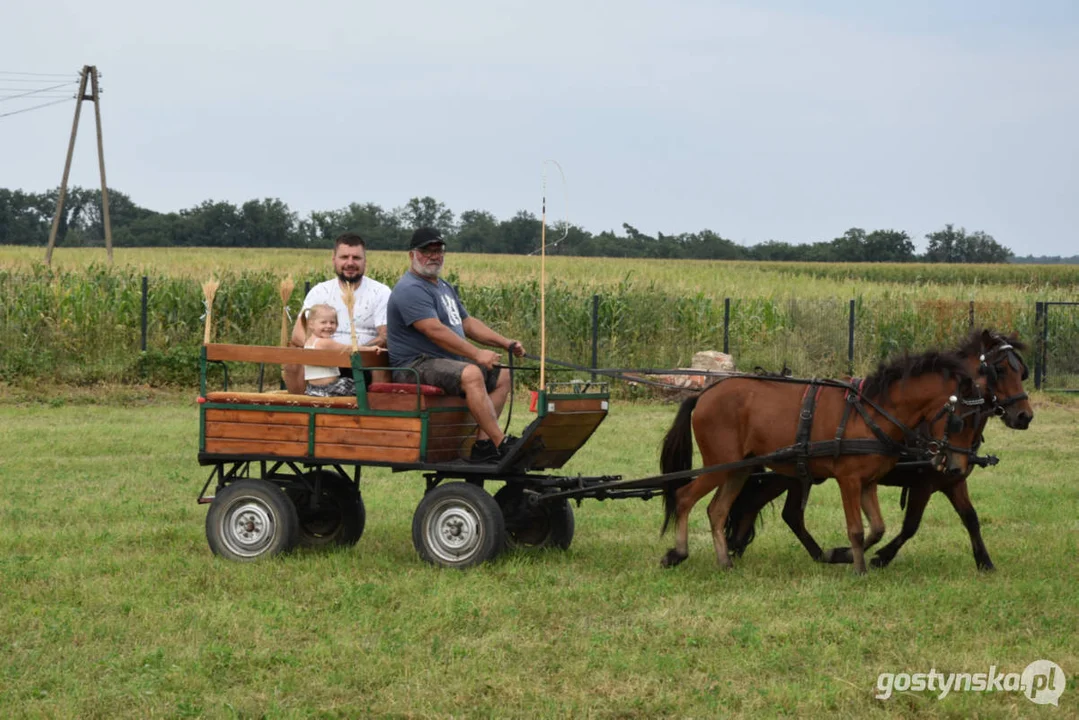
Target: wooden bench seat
{"type": "Point", "coordinates": [403, 388]}
{"type": "Point", "coordinates": [276, 398]}
{"type": "Point", "coordinates": [380, 396]}
{"type": "Point", "coordinates": [384, 433]}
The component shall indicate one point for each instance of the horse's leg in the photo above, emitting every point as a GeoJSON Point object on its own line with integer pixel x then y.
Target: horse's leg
{"type": "Point", "coordinates": [753, 498]}
{"type": "Point", "coordinates": [685, 498]}
{"type": "Point", "coordinates": [794, 514]}
{"type": "Point", "coordinates": [871, 508]}
{"type": "Point", "coordinates": [850, 487]}
{"type": "Point", "coordinates": [960, 498]}
{"type": "Point", "coordinates": [717, 516]}
{"type": "Point", "coordinates": [917, 499]}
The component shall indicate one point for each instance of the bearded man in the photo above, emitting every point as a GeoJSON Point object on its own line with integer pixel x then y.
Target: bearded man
{"type": "Point", "coordinates": [369, 307]}
{"type": "Point", "coordinates": [428, 330]}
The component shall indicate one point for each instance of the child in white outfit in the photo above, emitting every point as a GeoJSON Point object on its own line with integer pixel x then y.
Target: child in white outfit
{"type": "Point", "coordinates": [320, 323]}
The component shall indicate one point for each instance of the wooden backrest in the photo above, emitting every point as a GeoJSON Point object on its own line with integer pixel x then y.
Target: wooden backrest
{"type": "Point", "coordinates": [292, 355]}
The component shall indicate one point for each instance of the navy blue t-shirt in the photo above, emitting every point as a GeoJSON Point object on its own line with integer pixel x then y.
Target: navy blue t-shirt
{"type": "Point", "coordinates": [412, 299]}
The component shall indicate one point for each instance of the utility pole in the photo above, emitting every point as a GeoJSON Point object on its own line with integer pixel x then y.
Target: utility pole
{"type": "Point", "coordinates": [88, 74]}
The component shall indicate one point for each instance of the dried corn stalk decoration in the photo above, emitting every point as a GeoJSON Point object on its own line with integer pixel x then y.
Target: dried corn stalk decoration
{"type": "Point", "coordinates": [286, 292]}
{"type": "Point", "coordinates": [349, 296]}
{"type": "Point", "coordinates": [209, 290]}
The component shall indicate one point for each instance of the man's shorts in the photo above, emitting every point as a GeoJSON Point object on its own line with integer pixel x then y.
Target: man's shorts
{"type": "Point", "coordinates": [443, 373]}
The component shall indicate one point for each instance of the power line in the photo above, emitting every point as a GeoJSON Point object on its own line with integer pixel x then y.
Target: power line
{"type": "Point", "coordinates": [36, 91]}
{"type": "Point", "coordinates": [45, 75]}
{"type": "Point", "coordinates": [30, 80]}
{"type": "Point", "coordinates": [35, 107]}
{"type": "Point", "coordinates": [41, 96]}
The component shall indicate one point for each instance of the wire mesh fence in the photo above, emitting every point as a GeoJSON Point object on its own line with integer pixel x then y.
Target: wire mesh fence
{"type": "Point", "coordinates": [118, 326]}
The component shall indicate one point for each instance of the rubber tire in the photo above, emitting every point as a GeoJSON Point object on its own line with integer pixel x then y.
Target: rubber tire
{"type": "Point", "coordinates": [341, 516]}
{"type": "Point", "coordinates": [546, 525]}
{"type": "Point", "coordinates": [458, 525]}
{"type": "Point", "coordinates": [272, 526]}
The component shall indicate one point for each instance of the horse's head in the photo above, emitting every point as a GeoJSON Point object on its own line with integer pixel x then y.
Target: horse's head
{"type": "Point", "coordinates": [1003, 367]}
{"type": "Point", "coordinates": [956, 429]}
{"type": "Point", "coordinates": [938, 405]}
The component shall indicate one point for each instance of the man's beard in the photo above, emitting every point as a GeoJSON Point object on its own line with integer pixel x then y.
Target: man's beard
{"type": "Point", "coordinates": [422, 270]}
{"type": "Point", "coordinates": [351, 281]}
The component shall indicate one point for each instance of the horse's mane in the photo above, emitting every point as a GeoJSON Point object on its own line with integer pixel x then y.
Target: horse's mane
{"type": "Point", "coordinates": [974, 344]}
{"type": "Point", "coordinates": [912, 366]}
{"type": "Point", "coordinates": [786, 372]}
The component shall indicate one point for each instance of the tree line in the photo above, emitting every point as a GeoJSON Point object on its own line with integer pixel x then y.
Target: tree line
{"type": "Point", "coordinates": [26, 218]}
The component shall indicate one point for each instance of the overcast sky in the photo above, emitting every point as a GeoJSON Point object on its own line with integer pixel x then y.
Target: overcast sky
{"type": "Point", "coordinates": [778, 119]}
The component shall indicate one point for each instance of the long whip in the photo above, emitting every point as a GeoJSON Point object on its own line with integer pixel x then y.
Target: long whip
{"type": "Point", "coordinates": [543, 269]}
{"type": "Point", "coordinates": [543, 287]}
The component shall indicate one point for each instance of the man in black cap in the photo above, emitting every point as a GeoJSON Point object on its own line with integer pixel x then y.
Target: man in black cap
{"type": "Point", "coordinates": [428, 329]}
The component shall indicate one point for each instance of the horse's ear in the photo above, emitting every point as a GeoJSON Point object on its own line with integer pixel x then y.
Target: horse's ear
{"type": "Point", "coordinates": [988, 336]}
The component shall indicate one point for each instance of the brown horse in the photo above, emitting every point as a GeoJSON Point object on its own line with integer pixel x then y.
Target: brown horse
{"type": "Point", "coordinates": [744, 423]}
{"type": "Point", "coordinates": [985, 353]}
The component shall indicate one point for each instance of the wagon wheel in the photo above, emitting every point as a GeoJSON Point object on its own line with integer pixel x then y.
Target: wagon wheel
{"type": "Point", "coordinates": [458, 525]}
{"type": "Point", "coordinates": [530, 523]}
{"type": "Point", "coordinates": [251, 519]}
{"type": "Point", "coordinates": [340, 516]}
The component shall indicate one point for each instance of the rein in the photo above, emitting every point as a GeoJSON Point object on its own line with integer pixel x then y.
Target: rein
{"type": "Point", "coordinates": [917, 442]}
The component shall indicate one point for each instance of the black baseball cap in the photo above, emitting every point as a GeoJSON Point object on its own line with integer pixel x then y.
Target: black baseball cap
{"type": "Point", "coordinates": [425, 236]}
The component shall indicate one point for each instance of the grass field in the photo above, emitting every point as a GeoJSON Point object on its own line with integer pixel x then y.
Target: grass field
{"type": "Point", "coordinates": [111, 605]}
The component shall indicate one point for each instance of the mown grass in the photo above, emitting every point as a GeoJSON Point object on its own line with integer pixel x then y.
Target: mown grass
{"type": "Point", "coordinates": [112, 606]}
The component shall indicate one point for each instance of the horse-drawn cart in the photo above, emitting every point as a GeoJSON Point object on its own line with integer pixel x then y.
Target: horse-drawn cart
{"type": "Point", "coordinates": [279, 460]}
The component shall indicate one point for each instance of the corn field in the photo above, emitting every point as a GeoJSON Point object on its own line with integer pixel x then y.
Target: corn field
{"type": "Point", "coordinates": [85, 325]}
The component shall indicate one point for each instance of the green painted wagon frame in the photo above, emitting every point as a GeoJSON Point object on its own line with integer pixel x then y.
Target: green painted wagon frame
{"type": "Point", "coordinates": [278, 462]}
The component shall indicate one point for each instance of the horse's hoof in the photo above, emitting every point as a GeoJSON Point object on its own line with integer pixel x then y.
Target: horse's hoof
{"type": "Point", "coordinates": [880, 561]}
{"type": "Point", "coordinates": [987, 566]}
{"type": "Point", "coordinates": [837, 556]}
{"type": "Point", "coordinates": [672, 558]}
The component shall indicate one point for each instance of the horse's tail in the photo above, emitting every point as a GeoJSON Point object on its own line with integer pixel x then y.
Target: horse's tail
{"type": "Point", "coordinates": [677, 455]}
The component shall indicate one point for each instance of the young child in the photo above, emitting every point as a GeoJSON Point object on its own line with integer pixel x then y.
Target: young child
{"type": "Point", "coordinates": [319, 324]}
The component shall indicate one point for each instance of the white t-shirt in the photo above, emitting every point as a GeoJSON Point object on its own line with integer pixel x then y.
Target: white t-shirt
{"type": "Point", "coordinates": [370, 308]}
{"type": "Point", "coordinates": [317, 372]}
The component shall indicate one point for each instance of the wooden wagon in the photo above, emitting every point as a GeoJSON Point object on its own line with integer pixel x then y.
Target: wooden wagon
{"type": "Point", "coordinates": [279, 460]}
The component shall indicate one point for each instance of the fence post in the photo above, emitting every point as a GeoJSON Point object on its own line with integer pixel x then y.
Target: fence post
{"type": "Point", "coordinates": [726, 326]}
{"type": "Point", "coordinates": [595, 334]}
{"type": "Point", "coordinates": [850, 340]}
{"type": "Point", "coordinates": [145, 296]}
{"type": "Point", "coordinates": [1041, 374]}
{"type": "Point", "coordinates": [972, 313]}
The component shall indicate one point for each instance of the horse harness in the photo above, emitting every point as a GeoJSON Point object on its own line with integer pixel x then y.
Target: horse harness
{"type": "Point", "coordinates": [987, 366]}
{"type": "Point", "coordinates": [917, 445]}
